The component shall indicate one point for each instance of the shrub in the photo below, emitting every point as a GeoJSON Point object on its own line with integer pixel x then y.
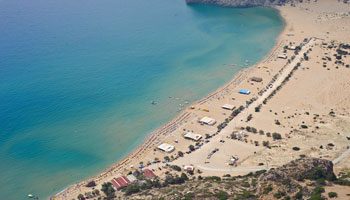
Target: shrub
{"type": "Point", "coordinates": [221, 195]}
{"type": "Point", "coordinates": [316, 197]}
{"type": "Point", "coordinates": [191, 147]}
{"type": "Point", "coordinates": [279, 194]}
{"type": "Point", "coordinates": [332, 194]}
{"type": "Point", "coordinates": [299, 194]}
{"type": "Point", "coordinates": [268, 189]}
{"type": "Point", "coordinates": [213, 178]}
{"type": "Point", "coordinates": [319, 190]}
{"type": "Point", "coordinates": [268, 134]}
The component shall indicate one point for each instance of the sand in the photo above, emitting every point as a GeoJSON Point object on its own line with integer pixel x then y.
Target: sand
{"type": "Point", "coordinates": [307, 98]}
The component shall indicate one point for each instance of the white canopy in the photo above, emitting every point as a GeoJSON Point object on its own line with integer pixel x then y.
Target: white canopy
{"type": "Point", "coordinates": [228, 107]}
{"type": "Point", "coordinates": [166, 147]}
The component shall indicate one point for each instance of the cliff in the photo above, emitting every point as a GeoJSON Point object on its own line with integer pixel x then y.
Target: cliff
{"type": "Point", "coordinates": [239, 3]}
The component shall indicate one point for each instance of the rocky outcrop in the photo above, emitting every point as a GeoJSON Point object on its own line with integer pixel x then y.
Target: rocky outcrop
{"type": "Point", "coordinates": [239, 3]}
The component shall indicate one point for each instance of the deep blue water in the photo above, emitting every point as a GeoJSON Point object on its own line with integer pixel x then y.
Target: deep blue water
{"type": "Point", "coordinates": [77, 78]}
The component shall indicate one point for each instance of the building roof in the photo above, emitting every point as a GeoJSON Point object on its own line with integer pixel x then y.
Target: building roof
{"type": "Point", "coordinates": [207, 120]}
{"type": "Point", "coordinates": [256, 79]}
{"type": "Point", "coordinates": [242, 91]}
{"type": "Point", "coordinates": [282, 56]}
{"type": "Point", "coordinates": [166, 147]}
{"type": "Point", "coordinates": [228, 107]}
{"type": "Point", "coordinates": [131, 178]}
{"type": "Point", "coordinates": [148, 173]}
{"type": "Point", "coordinates": [193, 136]}
{"type": "Point", "coordinates": [120, 182]}
{"type": "Point", "coordinates": [188, 167]}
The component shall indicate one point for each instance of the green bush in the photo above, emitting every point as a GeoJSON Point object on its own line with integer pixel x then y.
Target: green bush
{"type": "Point", "coordinates": [332, 194]}
{"type": "Point", "coordinates": [268, 189]}
{"type": "Point", "coordinates": [279, 194]}
{"type": "Point", "coordinates": [316, 197]}
{"type": "Point", "coordinates": [319, 190]}
{"type": "Point", "coordinates": [221, 195]}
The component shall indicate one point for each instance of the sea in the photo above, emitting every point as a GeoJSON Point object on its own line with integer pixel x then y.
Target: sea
{"type": "Point", "coordinates": [77, 78]}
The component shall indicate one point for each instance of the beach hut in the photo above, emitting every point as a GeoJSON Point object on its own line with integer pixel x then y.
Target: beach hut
{"type": "Point", "coordinates": [166, 148]}
{"type": "Point", "coordinates": [188, 167]}
{"type": "Point", "coordinates": [242, 91]}
{"type": "Point", "coordinates": [291, 47]}
{"type": "Point", "coordinates": [207, 121]}
{"type": "Point", "coordinates": [282, 56]}
{"type": "Point", "coordinates": [192, 136]}
{"type": "Point", "coordinates": [228, 107]}
{"type": "Point", "coordinates": [256, 79]}
{"type": "Point", "coordinates": [120, 182]}
{"type": "Point", "coordinates": [148, 173]}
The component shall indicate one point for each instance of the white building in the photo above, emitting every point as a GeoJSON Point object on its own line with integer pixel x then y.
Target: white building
{"type": "Point", "coordinates": [228, 107]}
{"type": "Point", "coordinates": [193, 136]}
{"type": "Point", "coordinates": [207, 121]}
{"type": "Point", "coordinates": [166, 147]}
{"type": "Point", "coordinates": [282, 56]}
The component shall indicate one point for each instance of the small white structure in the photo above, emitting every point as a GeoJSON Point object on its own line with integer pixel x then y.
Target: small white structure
{"type": "Point", "coordinates": [188, 168]}
{"type": "Point", "coordinates": [193, 136]}
{"type": "Point", "coordinates": [282, 56]}
{"type": "Point", "coordinates": [166, 147]}
{"type": "Point", "coordinates": [228, 107]}
{"type": "Point", "coordinates": [291, 47]}
{"type": "Point", "coordinates": [207, 121]}
{"type": "Point", "coordinates": [131, 178]}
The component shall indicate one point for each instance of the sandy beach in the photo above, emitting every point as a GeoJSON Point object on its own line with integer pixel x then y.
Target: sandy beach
{"type": "Point", "coordinates": [304, 98]}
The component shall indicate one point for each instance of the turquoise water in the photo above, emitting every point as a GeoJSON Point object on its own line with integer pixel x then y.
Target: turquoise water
{"type": "Point", "coordinates": [77, 78]}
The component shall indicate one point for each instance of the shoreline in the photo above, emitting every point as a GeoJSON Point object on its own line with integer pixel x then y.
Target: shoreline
{"type": "Point", "coordinates": [149, 142]}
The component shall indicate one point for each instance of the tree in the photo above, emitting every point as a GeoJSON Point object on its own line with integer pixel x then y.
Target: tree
{"type": "Point", "coordinates": [97, 192]}
{"type": "Point", "coordinates": [80, 196]}
{"type": "Point", "coordinates": [276, 136]}
{"type": "Point", "coordinates": [180, 153]}
{"type": "Point", "coordinates": [91, 184]}
{"type": "Point", "coordinates": [261, 132]}
{"type": "Point", "coordinates": [175, 167]}
{"type": "Point", "coordinates": [266, 143]}
{"type": "Point", "coordinates": [166, 158]}
{"type": "Point", "coordinates": [233, 136]}
{"type": "Point", "coordinates": [108, 189]}
{"type": "Point", "coordinates": [268, 134]}
{"type": "Point", "coordinates": [184, 176]}
{"type": "Point", "coordinates": [131, 189]}
{"type": "Point", "coordinates": [191, 147]}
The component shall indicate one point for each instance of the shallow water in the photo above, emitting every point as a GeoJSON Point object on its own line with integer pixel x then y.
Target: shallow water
{"type": "Point", "coordinates": [77, 78]}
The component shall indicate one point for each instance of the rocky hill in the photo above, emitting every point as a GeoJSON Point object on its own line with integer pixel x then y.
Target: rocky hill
{"type": "Point", "coordinates": [304, 178]}
{"type": "Point", "coordinates": [239, 3]}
